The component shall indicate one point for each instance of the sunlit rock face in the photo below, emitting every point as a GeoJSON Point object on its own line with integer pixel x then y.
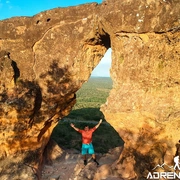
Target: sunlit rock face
{"type": "Point", "coordinates": [144, 104]}
{"type": "Point", "coordinates": [46, 58]}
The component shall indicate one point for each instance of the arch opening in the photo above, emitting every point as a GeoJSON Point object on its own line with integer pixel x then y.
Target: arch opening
{"type": "Point", "coordinates": [86, 111]}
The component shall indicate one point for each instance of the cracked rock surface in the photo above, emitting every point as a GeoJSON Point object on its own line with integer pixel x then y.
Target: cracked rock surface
{"type": "Point", "coordinates": [46, 58]}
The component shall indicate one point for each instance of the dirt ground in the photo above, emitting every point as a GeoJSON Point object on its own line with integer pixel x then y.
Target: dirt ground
{"type": "Point", "coordinates": [70, 167]}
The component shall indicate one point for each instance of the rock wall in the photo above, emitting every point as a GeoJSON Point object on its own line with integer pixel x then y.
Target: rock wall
{"type": "Point", "coordinates": [46, 58]}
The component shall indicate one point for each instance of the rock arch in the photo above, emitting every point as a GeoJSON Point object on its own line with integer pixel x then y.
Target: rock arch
{"type": "Point", "coordinates": [55, 52]}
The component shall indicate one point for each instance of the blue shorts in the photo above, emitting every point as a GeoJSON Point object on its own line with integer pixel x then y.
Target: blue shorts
{"type": "Point", "coordinates": [87, 149]}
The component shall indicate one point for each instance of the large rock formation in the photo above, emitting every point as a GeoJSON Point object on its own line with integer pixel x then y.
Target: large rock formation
{"type": "Point", "coordinates": [46, 58]}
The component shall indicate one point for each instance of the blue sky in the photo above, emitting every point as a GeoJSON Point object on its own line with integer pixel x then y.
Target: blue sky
{"type": "Point", "coordinates": [12, 8]}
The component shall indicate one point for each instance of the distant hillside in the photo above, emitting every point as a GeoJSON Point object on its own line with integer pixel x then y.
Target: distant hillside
{"type": "Point", "coordinates": [90, 97]}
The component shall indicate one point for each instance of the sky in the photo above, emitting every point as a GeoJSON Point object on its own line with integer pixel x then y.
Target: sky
{"type": "Point", "coordinates": [102, 69]}
{"type": "Point", "coordinates": [12, 8]}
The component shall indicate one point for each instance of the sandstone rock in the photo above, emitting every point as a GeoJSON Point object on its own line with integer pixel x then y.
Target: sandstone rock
{"type": "Point", "coordinates": [46, 58]}
{"type": "Point", "coordinates": [52, 152]}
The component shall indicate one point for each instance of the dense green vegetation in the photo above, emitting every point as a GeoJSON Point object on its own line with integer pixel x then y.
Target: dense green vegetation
{"type": "Point", "coordinates": [104, 138]}
{"type": "Point", "coordinates": [86, 112]}
{"type": "Point", "coordinates": [90, 97]}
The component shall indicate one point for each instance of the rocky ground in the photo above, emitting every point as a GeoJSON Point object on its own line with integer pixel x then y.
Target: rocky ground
{"type": "Point", "coordinates": [70, 167]}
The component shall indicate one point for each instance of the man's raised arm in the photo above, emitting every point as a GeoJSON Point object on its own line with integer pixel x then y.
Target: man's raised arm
{"type": "Point", "coordinates": [73, 126]}
{"type": "Point", "coordinates": [98, 123]}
